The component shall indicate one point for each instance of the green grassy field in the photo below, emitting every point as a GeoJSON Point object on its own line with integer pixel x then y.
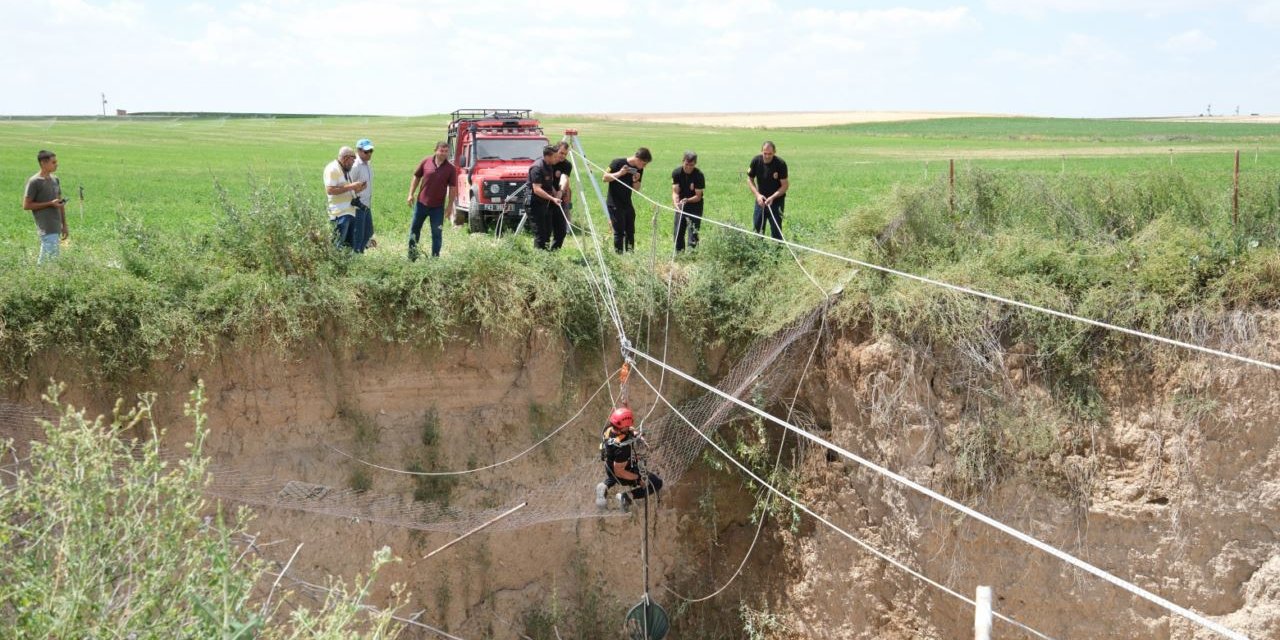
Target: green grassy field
{"type": "Point", "coordinates": [162, 171]}
{"type": "Point", "coordinates": [196, 228]}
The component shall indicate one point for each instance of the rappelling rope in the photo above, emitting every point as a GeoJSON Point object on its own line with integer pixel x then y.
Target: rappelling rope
{"type": "Point", "coordinates": [801, 506]}
{"type": "Point", "coordinates": [488, 467]}
{"type": "Point", "coordinates": [602, 282]}
{"type": "Point", "coordinates": [988, 520]}
{"type": "Point", "coordinates": [777, 462]}
{"type": "Point", "coordinates": [624, 343]}
{"type": "Point", "coordinates": [666, 323]}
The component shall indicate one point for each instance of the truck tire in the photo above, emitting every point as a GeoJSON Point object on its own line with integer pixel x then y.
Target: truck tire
{"type": "Point", "coordinates": [475, 219]}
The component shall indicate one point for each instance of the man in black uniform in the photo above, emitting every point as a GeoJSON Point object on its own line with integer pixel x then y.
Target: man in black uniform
{"type": "Point", "coordinates": [620, 464]}
{"type": "Point", "coordinates": [623, 176]}
{"type": "Point", "coordinates": [687, 185]}
{"type": "Point", "coordinates": [767, 178]}
{"type": "Point", "coordinates": [544, 206]}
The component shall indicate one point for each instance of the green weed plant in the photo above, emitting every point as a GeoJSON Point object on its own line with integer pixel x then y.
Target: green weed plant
{"type": "Point", "coordinates": [104, 537]}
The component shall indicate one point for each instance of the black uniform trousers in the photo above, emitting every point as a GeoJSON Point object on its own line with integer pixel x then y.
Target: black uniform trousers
{"type": "Point", "coordinates": [548, 224]}
{"type": "Point", "coordinates": [623, 218]}
{"type": "Point", "coordinates": [654, 485]}
{"type": "Point", "coordinates": [690, 224]}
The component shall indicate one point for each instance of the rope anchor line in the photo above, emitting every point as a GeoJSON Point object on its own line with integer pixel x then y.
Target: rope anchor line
{"type": "Point", "coordinates": [972, 292]}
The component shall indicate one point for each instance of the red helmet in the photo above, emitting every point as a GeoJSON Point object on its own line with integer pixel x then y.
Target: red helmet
{"type": "Point", "coordinates": [621, 418]}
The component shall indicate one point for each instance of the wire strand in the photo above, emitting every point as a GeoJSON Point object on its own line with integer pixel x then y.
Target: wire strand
{"type": "Point", "coordinates": [852, 538]}
{"type": "Point", "coordinates": [993, 297]}
{"type": "Point", "coordinates": [495, 465]}
{"type": "Point", "coordinates": [992, 522]}
{"type": "Point", "coordinates": [777, 462]}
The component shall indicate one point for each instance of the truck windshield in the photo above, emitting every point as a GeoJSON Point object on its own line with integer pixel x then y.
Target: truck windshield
{"type": "Point", "coordinates": [509, 149]}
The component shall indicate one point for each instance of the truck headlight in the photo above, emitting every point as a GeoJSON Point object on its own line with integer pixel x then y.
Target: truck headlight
{"type": "Point", "coordinates": [494, 188]}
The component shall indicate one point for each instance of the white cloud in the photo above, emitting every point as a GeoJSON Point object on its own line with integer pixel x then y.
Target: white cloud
{"type": "Point", "coordinates": [200, 10]}
{"type": "Point", "coordinates": [1266, 13]}
{"type": "Point", "coordinates": [1086, 48]}
{"type": "Point", "coordinates": [426, 56]}
{"type": "Point", "coordinates": [1040, 9]}
{"type": "Point", "coordinates": [893, 22]}
{"type": "Point", "coordinates": [1014, 58]}
{"type": "Point", "coordinates": [1077, 50]}
{"type": "Point", "coordinates": [80, 12]}
{"type": "Point", "coordinates": [1190, 42]}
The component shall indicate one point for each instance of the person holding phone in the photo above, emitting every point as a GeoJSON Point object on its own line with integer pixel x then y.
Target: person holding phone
{"type": "Point", "coordinates": [624, 177]}
{"type": "Point", "coordinates": [43, 198]}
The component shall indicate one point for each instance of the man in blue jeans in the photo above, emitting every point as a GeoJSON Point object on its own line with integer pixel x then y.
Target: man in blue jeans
{"type": "Point", "coordinates": [43, 198]}
{"type": "Point", "coordinates": [362, 171]}
{"type": "Point", "coordinates": [430, 193]}
{"type": "Point", "coordinates": [340, 190]}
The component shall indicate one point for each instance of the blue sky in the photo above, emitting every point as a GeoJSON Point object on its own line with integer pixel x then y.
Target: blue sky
{"type": "Point", "coordinates": [1092, 58]}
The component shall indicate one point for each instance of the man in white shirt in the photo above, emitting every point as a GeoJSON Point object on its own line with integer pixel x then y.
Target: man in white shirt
{"type": "Point", "coordinates": [341, 190]}
{"type": "Point", "coordinates": [362, 171]}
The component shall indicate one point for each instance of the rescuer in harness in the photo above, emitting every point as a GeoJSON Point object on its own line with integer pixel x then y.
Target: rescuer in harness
{"type": "Point", "coordinates": [620, 463]}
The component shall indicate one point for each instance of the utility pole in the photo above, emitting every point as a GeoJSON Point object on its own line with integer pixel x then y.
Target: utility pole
{"type": "Point", "coordinates": [104, 104]}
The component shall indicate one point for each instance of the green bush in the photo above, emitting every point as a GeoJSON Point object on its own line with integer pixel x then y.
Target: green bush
{"type": "Point", "coordinates": [102, 536]}
{"type": "Point", "coordinates": [1128, 249]}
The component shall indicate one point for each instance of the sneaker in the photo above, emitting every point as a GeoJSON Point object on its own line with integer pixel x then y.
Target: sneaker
{"type": "Point", "coordinates": [624, 501]}
{"type": "Point", "coordinates": [600, 500]}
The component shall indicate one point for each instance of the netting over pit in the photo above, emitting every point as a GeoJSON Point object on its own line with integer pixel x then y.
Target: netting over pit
{"type": "Point", "coordinates": [764, 375]}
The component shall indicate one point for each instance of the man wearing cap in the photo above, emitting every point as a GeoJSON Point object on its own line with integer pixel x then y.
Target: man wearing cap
{"type": "Point", "coordinates": [436, 176]}
{"type": "Point", "coordinates": [362, 171]}
{"type": "Point", "coordinates": [341, 189]}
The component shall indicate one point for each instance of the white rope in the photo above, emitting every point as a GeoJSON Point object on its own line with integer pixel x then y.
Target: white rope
{"type": "Point", "coordinates": [777, 462]}
{"type": "Point", "coordinates": [601, 282]}
{"type": "Point", "coordinates": [1061, 555]}
{"type": "Point", "coordinates": [485, 468]}
{"type": "Point", "coordinates": [996, 298]}
{"type": "Point", "coordinates": [801, 506]}
{"type": "Point", "coordinates": [597, 288]}
{"type": "Point", "coordinates": [777, 224]}
{"type": "Point", "coordinates": [606, 278]}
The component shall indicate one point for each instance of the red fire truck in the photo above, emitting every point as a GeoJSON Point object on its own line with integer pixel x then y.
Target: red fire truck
{"type": "Point", "coordinates": [493, 149]}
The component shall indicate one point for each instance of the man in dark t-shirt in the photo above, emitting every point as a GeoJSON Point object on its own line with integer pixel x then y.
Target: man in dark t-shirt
{"type": "Point", "coordinates": [687, 185]}
{"type": "Point", "coordinates": [623, 177]}
{"type": "Point", "coordinates": [544, 206]}
{"type": "Point", "coordinates": [767, 177]}
{"type": "Point", "coordinates": [43, 198]}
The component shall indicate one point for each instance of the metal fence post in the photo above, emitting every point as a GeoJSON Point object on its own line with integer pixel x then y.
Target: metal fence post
{"type": "Point", "coordinates": [982, 615]}
{"type": "Point", "coordinates": [951, 188]}
{"type": "Point", "coordinates": [1235, 193]}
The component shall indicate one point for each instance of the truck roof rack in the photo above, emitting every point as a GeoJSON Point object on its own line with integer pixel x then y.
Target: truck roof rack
{"type": "Point", "coordinates": [492, 114]}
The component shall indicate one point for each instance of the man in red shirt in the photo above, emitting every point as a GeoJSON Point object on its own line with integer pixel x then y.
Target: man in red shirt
{"type": "Point", "coordinates": [436, 177]}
